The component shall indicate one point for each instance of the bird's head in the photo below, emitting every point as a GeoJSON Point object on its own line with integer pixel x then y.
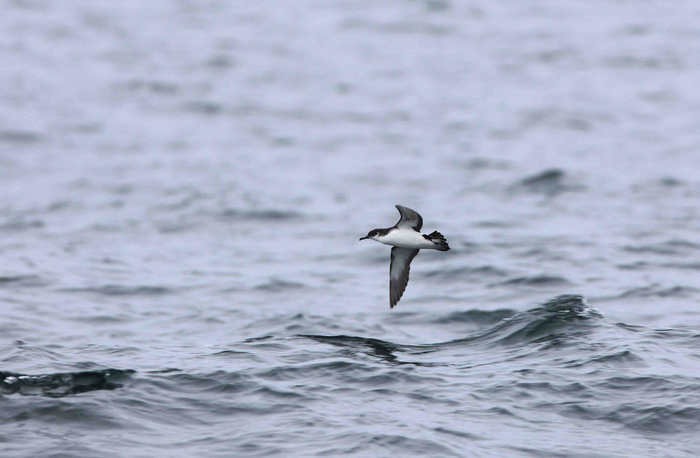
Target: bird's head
{"type": "Point", "coordinates": [371, 235]}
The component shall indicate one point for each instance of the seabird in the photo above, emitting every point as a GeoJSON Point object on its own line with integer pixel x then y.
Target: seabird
{"type": "Point", "coordinates": [406, 239]}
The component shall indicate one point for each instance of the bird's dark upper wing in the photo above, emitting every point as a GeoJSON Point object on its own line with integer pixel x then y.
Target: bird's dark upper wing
{"type": "Point", "coordinates": [398, 272]}
{"type": "Point", "coordinates": [409, 218]}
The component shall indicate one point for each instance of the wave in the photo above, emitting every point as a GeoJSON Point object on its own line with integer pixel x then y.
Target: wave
{"type": "Point", "coordinates": [378, 444]}
{"type": "Point", "coordinates": [278, 286]}
{"type": "Point", "coordinates": [62, 384]}
{"type": "Point", "coordinates": [20, 137]}
{"type": "Point", "coordinates": [467, 273]}
{"type": "Point", "coordinates": [561, 317]}
{"type": "Point", "coordinates": [539, 281]}
{"type": "Point", "coordinates": [18, 225]}
{"type": "Point", "coordinates": [22, 281]}
{"type": "Point", "coordinates": [259, 215]}
{"type": "Point", "coordinates": [673, 247]}
{"type": "Point", "coordinates": [550, 182]}
{"type": "Point", "coordinates": [477, 317]}
{"type": "Point", "coordinates": [376, 347]}
{"type": "Point", "coordinates": [565, 314]}
{"type": "Point", "coordinates": [123, 290]}
{"type": "Point", "coordinates": [657, 291]}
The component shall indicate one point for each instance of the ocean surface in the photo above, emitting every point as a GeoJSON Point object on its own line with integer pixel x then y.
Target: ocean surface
{"type": "Point", "coordinates": [183, 185]}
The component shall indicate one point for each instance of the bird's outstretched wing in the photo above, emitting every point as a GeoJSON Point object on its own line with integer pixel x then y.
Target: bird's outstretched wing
{"type": "Point", "coordinates": [409, 218]}
{"type": "Point", "coordinates": [398, 272]}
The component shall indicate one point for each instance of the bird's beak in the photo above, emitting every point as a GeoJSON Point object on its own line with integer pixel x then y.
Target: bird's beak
{"type": "Point", "coordinates": [363, 238]}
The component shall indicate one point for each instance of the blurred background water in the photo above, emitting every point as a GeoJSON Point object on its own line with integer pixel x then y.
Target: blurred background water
{"type": "Point", "coordinates": [183, 184]}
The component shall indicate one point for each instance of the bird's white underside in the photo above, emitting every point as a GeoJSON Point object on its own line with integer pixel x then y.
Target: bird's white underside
{"type": "Point", "coordinates": [406, 238]}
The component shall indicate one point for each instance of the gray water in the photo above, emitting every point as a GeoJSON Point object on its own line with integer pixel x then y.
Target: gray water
{"type": "Point", "coordinates": [183, 186]}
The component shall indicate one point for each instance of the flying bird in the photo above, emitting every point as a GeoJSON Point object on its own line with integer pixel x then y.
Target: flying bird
{"type": "Point", "coordinates": [406, 239]}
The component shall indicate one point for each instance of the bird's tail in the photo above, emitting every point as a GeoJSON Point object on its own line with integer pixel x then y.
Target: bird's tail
{"type": "Point", "coordinates": [439, 240]}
